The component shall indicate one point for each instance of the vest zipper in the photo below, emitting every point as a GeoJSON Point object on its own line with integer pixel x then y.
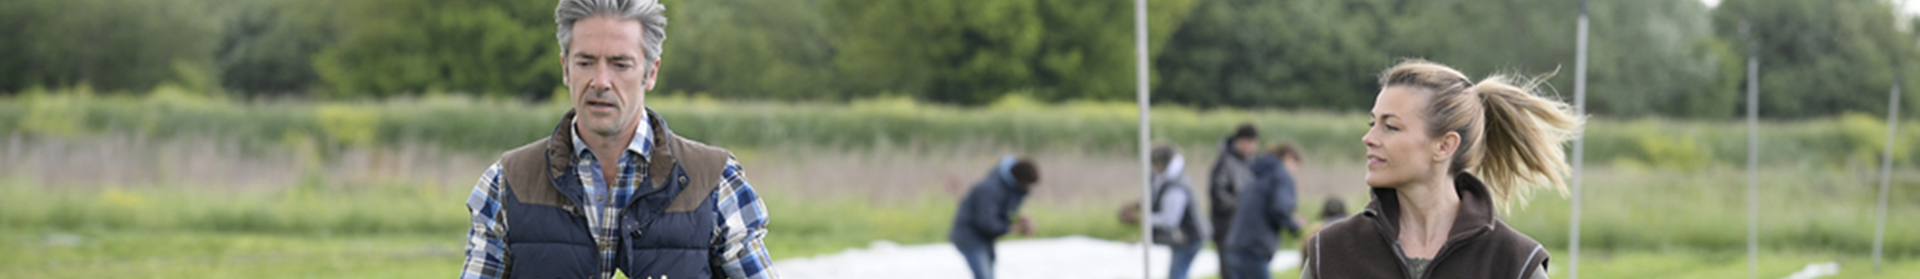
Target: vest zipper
{"type": "Point", "coordinates": [1399, 255]}
{"type": "Point", "coordinates": [1448, 248]}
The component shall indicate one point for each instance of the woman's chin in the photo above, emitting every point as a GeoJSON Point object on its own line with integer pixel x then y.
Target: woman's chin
{"type": "Point", "coordinates": [1375, 181]}
{"type": "Point", "coordinates": [1380, 180]}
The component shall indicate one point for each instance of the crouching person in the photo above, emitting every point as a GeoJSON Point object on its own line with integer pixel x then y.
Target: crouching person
{"type": "Point", "coordinates": [988, 212]}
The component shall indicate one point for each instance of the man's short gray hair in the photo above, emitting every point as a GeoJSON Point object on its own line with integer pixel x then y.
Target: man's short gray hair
{"type": "Point", "coordinates": [651, 14]}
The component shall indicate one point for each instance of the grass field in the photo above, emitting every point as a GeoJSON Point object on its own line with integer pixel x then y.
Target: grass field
{"type": "Point", "coordinates": [175, 186]}
{"type": "Point", "coordinates": [484, 126]}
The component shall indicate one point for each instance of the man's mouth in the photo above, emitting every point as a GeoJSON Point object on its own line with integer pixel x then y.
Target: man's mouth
{"type": "Point", "coordinates": [600, 105]}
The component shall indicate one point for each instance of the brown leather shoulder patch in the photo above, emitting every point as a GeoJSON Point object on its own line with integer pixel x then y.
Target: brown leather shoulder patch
{"type": "Point", "coordinates": [703, 164]}
{"type": "Point", "coordinates": [525, 171]}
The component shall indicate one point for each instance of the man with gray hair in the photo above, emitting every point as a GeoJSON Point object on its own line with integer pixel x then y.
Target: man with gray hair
{"type": "Point", "coordinates": [612, 189]}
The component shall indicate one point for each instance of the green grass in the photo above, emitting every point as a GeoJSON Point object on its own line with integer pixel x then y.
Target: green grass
{"type": "Point", "coordinates": [486, 126]}
{"type": "Point", "coordinates": [1663, 198]}
{"type": "Point", "coordinates": [200, 254]}
{"type": "Point", "coordinates": [391, 231]}
{"type": "Point", "coordinates": [1638, 223]}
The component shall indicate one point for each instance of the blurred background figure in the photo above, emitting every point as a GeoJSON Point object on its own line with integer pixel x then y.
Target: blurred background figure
{"type": "Point", "coordinates": [988, 212]}
{"type": "Point", "coordinates": [1176, 215]}
{"type": "Point", "coordinates": [1265, 211]}
{"type": "Point", "coordinates": [1332, 210]}
{"type": "Point", "coordinates": [1231, 172]}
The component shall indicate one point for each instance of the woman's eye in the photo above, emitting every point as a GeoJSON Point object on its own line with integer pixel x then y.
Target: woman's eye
{"type": "Point", "coordinates": [1392, 128]}
{"type": "Point", "coordinates": [1369, 124]}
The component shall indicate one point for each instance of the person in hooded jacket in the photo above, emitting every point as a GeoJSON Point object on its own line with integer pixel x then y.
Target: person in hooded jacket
{"type": "Point", "coordinates": [1176, 218]}
{"type": "Point", "coordinates": [988, 212]}
{"type": "Point", "coordinates": [1265, 210]}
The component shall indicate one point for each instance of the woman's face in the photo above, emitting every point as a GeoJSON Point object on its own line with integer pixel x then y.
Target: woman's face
{"type": "Point", "coordinates": [1399, 151]}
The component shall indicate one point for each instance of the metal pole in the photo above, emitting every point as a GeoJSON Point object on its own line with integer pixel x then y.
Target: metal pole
{"type": "Point", "coordinates": [1579, 144]}
{"type": "Point", "coordinates": [1886, 176]}
{"type": "Point", "coordinates": [1146, 166]}
{"type": "Point", "coordinates": [1753, 157]}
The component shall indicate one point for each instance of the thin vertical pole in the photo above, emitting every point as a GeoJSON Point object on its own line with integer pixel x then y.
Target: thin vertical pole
{"type": "Point", "coordinates": [1579, 144]}
{"type": "Point", "coordinates": [1146, 166]}
{"type": "Point", "coordinates": [1886, 176]}
{"type": "Point", "coordinates": [1753, 157]}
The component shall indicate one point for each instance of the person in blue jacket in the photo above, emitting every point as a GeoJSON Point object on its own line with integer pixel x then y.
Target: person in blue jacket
{"type": "Point", "coordinates": [988, 212]}
{"type": "Point", "coordinates": [1266, 209]}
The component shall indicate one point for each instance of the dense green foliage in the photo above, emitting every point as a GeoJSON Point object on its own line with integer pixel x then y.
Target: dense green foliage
{"type": "Point", "coordinates": [1649, 57]}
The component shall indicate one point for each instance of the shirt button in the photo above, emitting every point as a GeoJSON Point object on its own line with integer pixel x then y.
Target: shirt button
{"type": "Point", "coordinates": [637, 233]}
{"type": "Point", "coordinates": [683, 179]}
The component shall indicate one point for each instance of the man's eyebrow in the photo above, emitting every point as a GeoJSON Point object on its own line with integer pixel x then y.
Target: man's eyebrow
{"type": "Point", "coordinates": [586, 56]}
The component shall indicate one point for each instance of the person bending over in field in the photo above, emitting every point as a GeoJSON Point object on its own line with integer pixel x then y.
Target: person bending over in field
{"type": "Point", "coordinates": [988, 212]}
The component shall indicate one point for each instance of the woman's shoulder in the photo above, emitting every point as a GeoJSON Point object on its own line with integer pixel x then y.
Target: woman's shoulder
{"type": "Point", "coordinates": [1350, 231]}
{"type": "Point", "coordinates": [1515, 244]}
{"type": "Point", "coordinates": [1345, 226]}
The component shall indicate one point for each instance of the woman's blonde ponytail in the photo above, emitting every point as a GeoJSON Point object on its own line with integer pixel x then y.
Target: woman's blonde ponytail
{"type": "Point", "coordinates": [1509, 137]}
{"type": "Point", "coordinates": [1523, 139]}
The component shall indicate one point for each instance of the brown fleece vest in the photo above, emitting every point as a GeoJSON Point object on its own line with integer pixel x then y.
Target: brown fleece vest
{"type": "Point", "coordinates": [531, 169]}
{"type": "Point", "coordinates": [1478, 246]}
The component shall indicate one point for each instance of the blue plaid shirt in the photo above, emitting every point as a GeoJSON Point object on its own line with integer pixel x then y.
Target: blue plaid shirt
{"type": "Point", "coordinates": [737, 246]}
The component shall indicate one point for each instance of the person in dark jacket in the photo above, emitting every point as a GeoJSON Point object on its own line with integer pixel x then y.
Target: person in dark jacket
{"type": "Point", "coordinates": [1231, 172]}
{"type": "Point", "coordinates": [1435, 135]}
{"type": "Point", "coordinates": [987, 212]}
{"type": "Point", "coordinates": [1265, 210]}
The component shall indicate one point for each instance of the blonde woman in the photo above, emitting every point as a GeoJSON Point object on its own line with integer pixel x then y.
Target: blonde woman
{"type": "Point", "coordinates": [1443, 153]}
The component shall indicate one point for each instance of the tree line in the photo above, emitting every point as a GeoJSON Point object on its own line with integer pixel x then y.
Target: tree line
{"type": "Point", "coordinates": [1647, 57]}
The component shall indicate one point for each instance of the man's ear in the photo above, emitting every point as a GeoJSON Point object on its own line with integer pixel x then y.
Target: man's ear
{"type": "Point", "coordinates": [565, 74]}
{"type": "Point", "coordinates": [1447, 144]}
{"type": "Point", "coordinates": [653, 74]}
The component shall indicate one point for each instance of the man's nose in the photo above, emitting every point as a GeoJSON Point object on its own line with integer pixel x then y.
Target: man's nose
{"type": "Point", "coordinates": [602, 78]}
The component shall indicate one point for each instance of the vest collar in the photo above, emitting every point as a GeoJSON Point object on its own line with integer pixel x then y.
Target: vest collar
{"type": "Point", "coordinates": [561, 153]}
{"type": "Point", "coordinates": [642, 142]}
{"type": "Point", "coordinates": [1474, 216]}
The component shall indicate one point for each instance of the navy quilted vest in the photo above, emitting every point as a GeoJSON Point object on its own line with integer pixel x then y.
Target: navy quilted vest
{"type": "Point", "coordinates": [666, 232]}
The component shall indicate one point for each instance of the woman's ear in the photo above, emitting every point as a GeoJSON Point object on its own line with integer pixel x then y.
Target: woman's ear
{"type": "Point", "coordinates": [1444, 147]}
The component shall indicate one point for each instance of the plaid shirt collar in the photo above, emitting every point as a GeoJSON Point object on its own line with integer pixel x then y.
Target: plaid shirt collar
{"type": "Point", "coordinates": [642, 142]}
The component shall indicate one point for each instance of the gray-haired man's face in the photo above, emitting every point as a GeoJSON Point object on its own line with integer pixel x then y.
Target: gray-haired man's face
{"type": "Point", "coordinates": [607, 75]}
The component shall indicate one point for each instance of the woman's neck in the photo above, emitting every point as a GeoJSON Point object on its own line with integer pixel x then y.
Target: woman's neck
{"type": "Point", "coordinates": [1427, 210]}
